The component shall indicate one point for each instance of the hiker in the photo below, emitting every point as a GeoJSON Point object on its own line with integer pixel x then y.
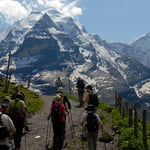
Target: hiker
{"type": "Point", "coordinates": [91, 122]}
{"type": "Point", "coordinates": [17, 112]}
{"type": "Point", "coordinates": [17, 90]}
{"type": "Point", "coordinates": [80, 88]}
{"type": "Point", "coordinates": [59, 83]}
{"type": "Point", "coordinates": [65, 99]}
{"type": "Point", "coordinates": [90, 97]}
{"type": "Point", "coordinates": [57, 115]}
{"type": "Point", "coordinates": [6, 102]}
{"type": "Point", "coordinates": [6, 128]}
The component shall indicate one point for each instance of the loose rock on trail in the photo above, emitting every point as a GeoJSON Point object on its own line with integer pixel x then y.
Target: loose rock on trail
{"type": "Point", "coordinates": [38, 123]}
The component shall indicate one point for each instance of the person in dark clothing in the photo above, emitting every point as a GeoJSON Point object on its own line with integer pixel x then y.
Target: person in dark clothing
{"type": "Point", "coordinates": [91, 97]}
{"type": "Point", "coordinates": [80, 88]}
{"type": "Point", "coordinates": [58, 124]}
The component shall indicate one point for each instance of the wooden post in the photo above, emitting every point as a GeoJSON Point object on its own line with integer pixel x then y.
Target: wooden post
{"type": "Point", "coordinates": [135, 120]}
{"type": "Point", "coordinates": [7, 74]}
{"type": "Point", "coordinates": [130, 121]}
{"type": "Point", "coordinates": [144, 130]}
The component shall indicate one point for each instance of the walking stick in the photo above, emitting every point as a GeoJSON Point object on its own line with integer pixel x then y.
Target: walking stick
{"type": "Point", "coordinates": [25, 142]}
{"type": "Point", "coordinates": [103, 142]}
{"type": "Point", "coordinates": [70, 127]}
{"type": "Point", "coordinates": [71, 117]}
{"type": "Point", "coordinates": [82, 138]}
{"type": "Point", "coordinates": [47, 133]}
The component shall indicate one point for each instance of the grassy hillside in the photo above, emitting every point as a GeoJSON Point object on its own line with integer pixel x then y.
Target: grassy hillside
{"type": "Point", "coordinates": [115, 124]}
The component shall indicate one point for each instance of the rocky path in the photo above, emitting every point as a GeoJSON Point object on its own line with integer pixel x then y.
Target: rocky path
{"type": "Point", "coordinates": [36, 138]}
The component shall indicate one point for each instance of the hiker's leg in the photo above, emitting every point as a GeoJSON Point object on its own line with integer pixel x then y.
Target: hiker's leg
{"type": "Point", "coordinates": [80, 94]}
{"type": "Point", "coordinates": [90, 141]}
{"type": "Point", "coordinates": [95, 137]}
{"type": "Point", "coordinates": [61, 135]}
{"type": "Point", "coordinates": [17, 137]}
{"type": "Point", "coordinates": [56, 135]}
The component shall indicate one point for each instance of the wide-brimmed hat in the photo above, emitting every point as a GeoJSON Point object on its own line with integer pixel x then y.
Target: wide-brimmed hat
{"type": "Point", "coordinates": [7, 98]}
{"type": "Point", "coordinates": [57, 99]}
{"type": "Point", "coordinates": [59, 90]}
{"type": "Point", "coordinates": [89, 87]}
{"type": "Point", "coordinates": [90, 108]}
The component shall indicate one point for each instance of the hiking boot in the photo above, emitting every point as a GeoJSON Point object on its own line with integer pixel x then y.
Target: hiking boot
{"type": "Point", "coordinates": [79, 106]}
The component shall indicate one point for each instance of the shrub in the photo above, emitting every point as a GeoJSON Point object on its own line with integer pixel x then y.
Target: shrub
{"type": "Point", "coordinates": [127, 140]}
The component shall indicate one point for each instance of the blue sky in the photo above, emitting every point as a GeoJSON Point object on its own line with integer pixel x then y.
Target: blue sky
{"type": "Point", "coordinates": [112, 20]}
{"type": "Point", "coordinates": [116, 20]}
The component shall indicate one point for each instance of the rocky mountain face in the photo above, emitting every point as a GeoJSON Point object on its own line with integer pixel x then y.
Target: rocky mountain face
{"type": "Point", "coordinates": [47, 45]}
{"type": "Point", "coordinates": [139, 49]}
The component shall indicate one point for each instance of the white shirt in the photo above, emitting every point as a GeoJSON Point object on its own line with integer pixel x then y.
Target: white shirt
{"type": "Point", "coordinates": [6, 121]}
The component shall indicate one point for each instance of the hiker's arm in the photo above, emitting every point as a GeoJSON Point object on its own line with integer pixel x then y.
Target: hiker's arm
{"type": "Point", "coordinates": [11, 126]}
{"type": "Point", "coordinates": [68, 102]}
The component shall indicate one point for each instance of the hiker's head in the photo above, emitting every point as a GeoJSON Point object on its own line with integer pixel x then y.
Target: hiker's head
{"type": "Point", "coordinates": [89, 88]}
{"type": "Point", "coordinates": [90, 108]}
{"type": "Point", "coordinates": [6, 99]}
{"type": "Point", "coordinates": [57, 99]}
{"type": "Point", "coordinates": [16, 88]}
{"type": "Point", "coordinates": [19, 96]}
{"type": "Point", "coordinates": [59, 91]}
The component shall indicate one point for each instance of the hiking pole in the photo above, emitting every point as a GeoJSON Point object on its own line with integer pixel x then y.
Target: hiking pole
{"type": "Point", "coordinates": [71, 117]}
{"type": "Point", "coordinates": [104, 141]}
{"type": "Point", "coordinates": [25, 142]}
{"type": "Point", "coordinates": [47, 130]}
{"type": "Point", "coordinates": [82, 138]}
{"type": "Point", "coordinates": [70, 127]}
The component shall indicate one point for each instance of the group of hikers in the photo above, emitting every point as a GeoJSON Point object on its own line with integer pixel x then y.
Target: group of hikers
{"type": "Point", "coordinates": [90, 120]}
{"type": "Point", "coordinates": [13, 116]}
{"type": "Point", "coordinates": [13, 120]}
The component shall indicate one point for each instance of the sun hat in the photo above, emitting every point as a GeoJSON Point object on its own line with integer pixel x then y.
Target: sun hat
{"type": "Point", "coordinates": [57, 99]}
{"type": "Point", "coordinates": [89, 87]}
{"type": "Point", "coordinates": [90, 108]}
{"type": "Point", "coordinates": [59, 90]}
{"type": "Point", "coordinates": [7, 98]}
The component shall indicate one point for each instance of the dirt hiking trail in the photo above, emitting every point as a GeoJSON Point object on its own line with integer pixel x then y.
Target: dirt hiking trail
{"type": "Point", "coordinates": [38, 123]}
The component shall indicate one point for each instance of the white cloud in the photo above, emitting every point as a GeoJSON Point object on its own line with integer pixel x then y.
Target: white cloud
{"type": "Point", "coordinates": [13, 10]}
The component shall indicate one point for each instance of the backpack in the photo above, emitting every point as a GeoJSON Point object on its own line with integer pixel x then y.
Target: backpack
{"type": "Point", "coordinates": [4, 132]}
{"type": "Point", "coordinates": [15, 114]}
{"type": "Point", "coordinates": [56, 112]}
{"type": "Point", "coordinates": [93, 99]}
{"type": "Point", "coordinates": [80, 84]}
{"type": "Point", "coordinates": [92, 122]}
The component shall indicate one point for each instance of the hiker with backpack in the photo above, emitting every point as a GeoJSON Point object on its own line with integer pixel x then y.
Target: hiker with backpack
{"type": "Point", "coordinates": [57, 115]}
{"type": "Point", "coordinates": [6, 128]}
{"type": "Point", "coordinates": [16, 91]}
{"type": "Point", "coordinates": [90, 97]}
{"type": "Point", "coordinates": [80, 88]}
{"type": "Point", "coordinates": [17, 112]}
{"type": "Point", "coordinates": [91, 123]}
